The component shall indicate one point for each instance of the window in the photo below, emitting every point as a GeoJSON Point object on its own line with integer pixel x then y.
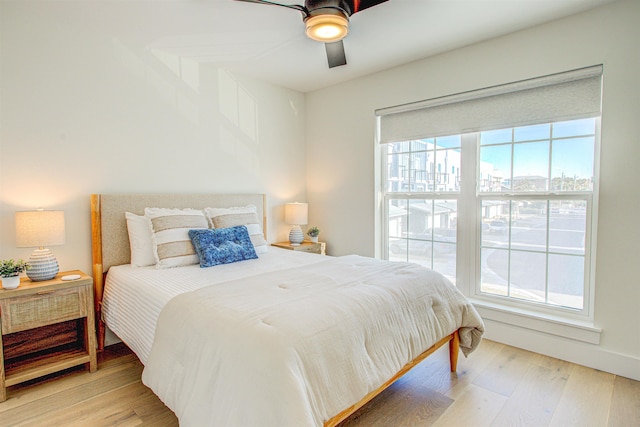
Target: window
{"type": "Point", "coordinates": [504, 179]}
{"type": "Point", "coordinates": [535, 187]}
{"type": "Point", "coordinates": [423, 230]}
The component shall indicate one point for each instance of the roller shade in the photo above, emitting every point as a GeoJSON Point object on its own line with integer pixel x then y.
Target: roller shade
{"type": "Point", "coordinates": [565, 96]}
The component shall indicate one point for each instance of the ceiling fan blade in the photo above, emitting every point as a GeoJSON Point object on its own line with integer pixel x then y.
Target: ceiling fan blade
{"type": "Point", "coordinates": [358, 5]}
{"type": "Point", "coordinates": [271, 3]}
{"type": "Point", "coordinates": [335, 54]}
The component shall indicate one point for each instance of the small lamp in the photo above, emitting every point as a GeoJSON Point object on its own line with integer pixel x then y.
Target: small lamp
{"type": "Point", "coordinates": [39, 229]}
{"type": "Point", "coordinates": [295, 214]}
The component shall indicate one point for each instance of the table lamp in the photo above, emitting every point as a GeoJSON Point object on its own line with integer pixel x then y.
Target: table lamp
{"type": "Point", "coordinates": [295, 214]}
{"type": "Point", "coordinates": [39, 229]}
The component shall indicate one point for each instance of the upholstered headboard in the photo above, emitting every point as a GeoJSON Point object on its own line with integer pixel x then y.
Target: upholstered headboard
{"type": "Point", "coordinates": [110, 239]}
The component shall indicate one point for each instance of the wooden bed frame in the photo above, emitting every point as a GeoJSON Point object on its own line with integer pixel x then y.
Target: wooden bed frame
{"type": "Point", "coordinates": [110, 247]}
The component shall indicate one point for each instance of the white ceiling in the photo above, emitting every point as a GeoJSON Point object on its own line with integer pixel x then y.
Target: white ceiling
{"type": "Point", "coordinates": [269, 42]}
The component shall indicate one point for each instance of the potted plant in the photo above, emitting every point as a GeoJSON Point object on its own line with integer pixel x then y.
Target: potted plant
{"type": "Point", "coordinates": [10, 272]}
{"type": "Point", "coordinates": [313, 234]}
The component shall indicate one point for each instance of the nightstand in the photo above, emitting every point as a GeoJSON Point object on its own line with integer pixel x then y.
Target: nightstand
{"type": "Point", "coordinates": [46, 327]}
{"type": "Point", "coordinates": [306, 246]}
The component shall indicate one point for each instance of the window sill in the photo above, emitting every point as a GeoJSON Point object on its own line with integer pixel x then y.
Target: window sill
{"type": "Point", "coordinates": [568, 328]}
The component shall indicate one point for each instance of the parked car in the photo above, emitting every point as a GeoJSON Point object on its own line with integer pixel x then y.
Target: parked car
{"type": "Point", "coordinates": [498, 226]}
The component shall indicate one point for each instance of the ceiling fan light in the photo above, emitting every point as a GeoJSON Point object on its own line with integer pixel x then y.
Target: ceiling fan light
{"type": "Point", "coordinates": [327, 28]}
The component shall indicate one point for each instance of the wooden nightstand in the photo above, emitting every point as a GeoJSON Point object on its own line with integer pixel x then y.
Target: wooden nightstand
{"type": "Point", "coordinates": [46, 327]}
{"type": "Point", "coordinates": [306, 246]}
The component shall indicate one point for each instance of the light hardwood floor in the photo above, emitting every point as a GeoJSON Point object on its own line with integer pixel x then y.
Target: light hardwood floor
{"type": "Point", "coordinates": [497, 385]}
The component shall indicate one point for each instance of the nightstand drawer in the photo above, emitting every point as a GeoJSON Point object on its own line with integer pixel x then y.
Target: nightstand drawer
{"type": "Point", "coordinates": [311, 247]}
{"type": "Point", "coordinates": [306, 246]}
{"type": "Point", "coordinates": [45, 308]}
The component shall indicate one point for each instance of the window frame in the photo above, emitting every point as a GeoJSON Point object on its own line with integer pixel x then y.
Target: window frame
{"type": "Point", "coordinates": [469, 233]}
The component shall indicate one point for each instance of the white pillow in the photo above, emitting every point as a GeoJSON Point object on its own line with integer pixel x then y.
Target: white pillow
{"type": "Point", "coordinates": [171, 243]}
{"type": "Point", "coordinates": [242, 215]}
{"type": "Point", "coordinates": [140, 242]}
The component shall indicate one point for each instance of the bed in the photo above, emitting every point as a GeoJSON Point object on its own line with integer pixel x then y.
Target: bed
{"type": "Point", "coordinates": [285, 338]}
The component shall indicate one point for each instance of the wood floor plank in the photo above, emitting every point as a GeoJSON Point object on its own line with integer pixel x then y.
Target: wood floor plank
{"type": "Point", "coordinates": [116, 407]}
{"type": "Point", "coordinates": [586, 399]}
{"type": "Point", "coordinates": [22, 394]}
{"type": "Point", "coordinates": [506, 370]}
{"type": "Point", "coordinates": [440, 378]}
{"type": "Point", "coordinates": [69, 397]}
{"type": "Point", "coordinates": [625, 403]}
{"type": "Point", "coordinates": [476, 407]}
{"type": "Point", "coordinates": [419, 406]}
{"type": "Point", "coordinates": [534, 400]}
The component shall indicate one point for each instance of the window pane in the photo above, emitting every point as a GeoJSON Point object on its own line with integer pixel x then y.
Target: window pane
{"type": "Point", "coordinates": [572, 164]}
{"type": "Point", "coordinates": [397, 218]}
{"type": "Point", "coordinates": [529, 225]}
{"type": "Point", "coordinates": [422, 144]}
{"type": "Point", "coordinates": [421, 163]}
{"type": "Point", "coordinates": [397, 172]}
{"type": "Point", "coordinates": [516, 258]}
{"type": "Point", "coordinates": [399, 147]}
{"type": "Point", "coordinates": [527, 274]}
{"type": "Point", "coordinates": [566, 280]}
{"type": "Point", "coordinates": [530, 166]}
{"type": "Point", "coordinates": [567, 226]}
{"type": "Point", "coordinates": [532, 133]}
{"type": "Point", "coordinates": [421, 166]}
{"type": "Point", "coordinates": [574, 128]}
{"type": "Point", "coordinates": [496, 136]}
{"type": "Point", "coordinates": [495, 168]}
{"type": "Point", "coordinates": [424, 233]}
{"type": "Point", "coordinates": [444, 259]}
{"type": "Point", "coordinates": [494, 271]}
{"type": "Point", "coordinates": [420, 219]}
{"type": "Point", "coordinates": [448, 141]}
{"type": "Point", "coordinates": [397, 249]}
{"type": "Point", "coordinates": [447, 177]}
{"type": "Point", "coordinates": [495, 223]}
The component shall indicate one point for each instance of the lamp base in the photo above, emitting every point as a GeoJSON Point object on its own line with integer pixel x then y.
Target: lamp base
{"type": "Point", "coordinates": [44, 266]}
{"type": "Point", "coordinates": [295, 235]}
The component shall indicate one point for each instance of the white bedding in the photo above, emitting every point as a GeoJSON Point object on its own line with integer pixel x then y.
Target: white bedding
{"type": "Point", "coordinates": [291, 346]}
{"type": "Point", "coordinates": [134, 296]}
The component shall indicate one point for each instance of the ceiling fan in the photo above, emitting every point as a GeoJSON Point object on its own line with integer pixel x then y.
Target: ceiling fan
{"type": "Point", "coordinates": [327, 21]}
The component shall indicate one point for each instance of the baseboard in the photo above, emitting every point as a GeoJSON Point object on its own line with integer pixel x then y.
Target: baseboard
{"type": "Point", "coordinates": [582, 353]}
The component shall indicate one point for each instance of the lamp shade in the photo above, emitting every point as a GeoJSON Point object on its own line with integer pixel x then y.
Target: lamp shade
{"type": "Point", "coordinates": [296, 213]}
{"type": "Point", "coordinates": [39, 228]}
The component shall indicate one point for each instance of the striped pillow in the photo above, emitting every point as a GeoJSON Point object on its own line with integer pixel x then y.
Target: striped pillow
{"type": "Point", "coordinates": [244, 215]}
{"type": "Point", "coordinates": [171, 242]}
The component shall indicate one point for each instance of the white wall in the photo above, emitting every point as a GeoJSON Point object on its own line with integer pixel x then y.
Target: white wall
{"type": "Point", "coordinates": [341, 175]}
{"type": "Point", "coordinates": [84, 109]}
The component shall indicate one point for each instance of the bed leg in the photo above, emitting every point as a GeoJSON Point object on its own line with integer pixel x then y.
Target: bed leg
{"type": "Point", "coordinates": [101, 334]}
{"type": "Point", "coordinates": [454, 349]}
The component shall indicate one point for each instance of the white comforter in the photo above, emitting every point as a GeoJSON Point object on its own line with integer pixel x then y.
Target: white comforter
{"type": "Point", "coordinates": [296, 347]}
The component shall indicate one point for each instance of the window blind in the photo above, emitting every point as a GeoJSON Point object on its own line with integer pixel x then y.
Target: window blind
{"type": "Point", "coordinates": [565, 96]}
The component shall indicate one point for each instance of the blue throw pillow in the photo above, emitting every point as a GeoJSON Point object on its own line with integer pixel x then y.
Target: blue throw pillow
{"type": "Point", "coordinates": [222, 245]}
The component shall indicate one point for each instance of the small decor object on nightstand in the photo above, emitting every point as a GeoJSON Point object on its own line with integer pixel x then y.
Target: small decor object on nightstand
{"type": "Point", "coordinates": [39, 229]}
{"type": "Point", "coordinates": [313, 233]}
{"type": "Point", "coordinates": [10, 272]}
